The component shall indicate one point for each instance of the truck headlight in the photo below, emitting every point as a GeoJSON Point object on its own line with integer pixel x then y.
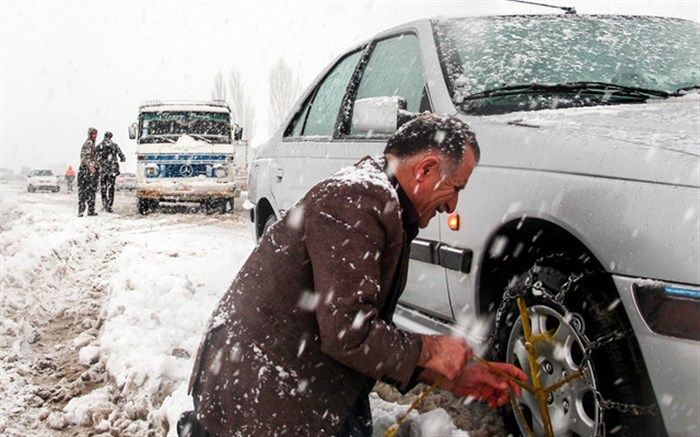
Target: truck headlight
{"type": "Point", "coordinates": [151, 170]}
{"type": "Point", "coordinates": [220, 171]}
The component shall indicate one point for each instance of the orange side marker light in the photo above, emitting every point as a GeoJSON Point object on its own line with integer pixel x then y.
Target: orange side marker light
{"type": "Point", "coordinates": [453, 221]}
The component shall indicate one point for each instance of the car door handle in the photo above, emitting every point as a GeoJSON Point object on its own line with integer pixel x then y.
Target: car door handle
{"type": "Point", "coordinates": [455, 259]}
{"type": "Point", "coordinates": [279, 173]}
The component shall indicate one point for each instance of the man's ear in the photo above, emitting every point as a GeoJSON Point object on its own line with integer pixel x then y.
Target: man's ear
{"type": "Point", "coordinates": [426, 166]}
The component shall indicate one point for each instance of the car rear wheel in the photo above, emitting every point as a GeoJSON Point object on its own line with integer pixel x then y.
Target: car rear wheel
{"type": "Point", "coordinates": [30, 189]}
{"type": "Point", "coordinates": [578, 335]}
{"type": "Point", "coordinates": [271, 219]}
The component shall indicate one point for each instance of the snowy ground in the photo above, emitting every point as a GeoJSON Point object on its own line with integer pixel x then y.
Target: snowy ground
{"type": "Point", "coordinates": [100, 318]}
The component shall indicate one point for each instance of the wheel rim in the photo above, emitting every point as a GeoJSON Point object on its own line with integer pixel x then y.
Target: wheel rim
{"type": "Point", "coordinates": [573, 408]}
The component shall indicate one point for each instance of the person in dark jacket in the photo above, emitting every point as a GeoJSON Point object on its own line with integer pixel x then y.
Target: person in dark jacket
{"type": "Point", "coordinates": [88, 174]}
{"type": "Point", "coordinates": [298, 341]}
{"type": "Point", "coordinates": [107, 153]}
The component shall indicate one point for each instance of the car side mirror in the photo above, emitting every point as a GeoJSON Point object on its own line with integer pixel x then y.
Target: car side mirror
{"type": "Point", "coordinates": [380, 115]}
{"type": "Point", "coordinates": [237, 132]}
{"type": "Point", "coordinates": [132, 130]}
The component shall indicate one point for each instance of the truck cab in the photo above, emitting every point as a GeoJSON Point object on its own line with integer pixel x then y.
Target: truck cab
{"type": "Point", "coordinates": [185, 153]}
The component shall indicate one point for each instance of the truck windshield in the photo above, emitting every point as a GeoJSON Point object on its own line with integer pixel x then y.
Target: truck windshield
{"type": "Point", "coordinates": [42, 173]}
{"type": "Point", "coordinates": [167, 126]}
{"type": "Point", "coordinates": [518, 63]}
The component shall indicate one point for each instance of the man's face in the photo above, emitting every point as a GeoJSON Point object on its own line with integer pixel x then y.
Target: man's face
{"type": "Point", "coordinates": [93, 135]}
{"type": "Point", "coordinates": [437, 190]}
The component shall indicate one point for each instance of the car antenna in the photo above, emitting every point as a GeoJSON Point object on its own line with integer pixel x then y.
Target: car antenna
{"type": "Point", "coordinates": [567, 9]}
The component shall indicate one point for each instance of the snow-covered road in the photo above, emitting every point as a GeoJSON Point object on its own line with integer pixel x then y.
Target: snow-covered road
{"type": "Point", "coordinates": [116, 292]}
{"type": "Point", "coordinates": [100, 317]}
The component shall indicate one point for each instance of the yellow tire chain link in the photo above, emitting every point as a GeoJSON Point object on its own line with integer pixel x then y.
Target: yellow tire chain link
{"type": "Point", "coordinates": [540, 393]}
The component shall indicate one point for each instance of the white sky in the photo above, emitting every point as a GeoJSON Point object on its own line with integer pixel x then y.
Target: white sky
{"type": "Point", "coordinates": [65, 66]}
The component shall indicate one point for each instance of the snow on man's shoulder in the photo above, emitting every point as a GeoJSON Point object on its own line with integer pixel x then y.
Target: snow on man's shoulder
{"type": "Point", "coordinates": [368, 172]}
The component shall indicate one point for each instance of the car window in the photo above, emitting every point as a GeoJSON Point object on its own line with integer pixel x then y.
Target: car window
{"type": "Point", "coordinates": [298, 123]}
{"type": "Point", "coordinates": [395, 69]}
{"type": "Point", "coordinates": [321, 114]}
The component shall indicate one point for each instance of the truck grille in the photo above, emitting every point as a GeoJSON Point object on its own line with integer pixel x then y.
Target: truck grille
{"type": "Point", "coordinates": [184, 170]}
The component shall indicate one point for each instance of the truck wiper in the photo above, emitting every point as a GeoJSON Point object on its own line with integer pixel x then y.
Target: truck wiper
{"type": "Point", "coordinates": [167, 137]}
{"type": "Point", "coordinates": [200, 137]}
{"type": "Point", "coordinates": [572, 87]}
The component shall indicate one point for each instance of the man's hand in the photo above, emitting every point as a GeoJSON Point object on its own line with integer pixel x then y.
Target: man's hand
{"type": "Point", "coordinates": [488, 383]}
{"type": "Point", "coordinates": [444, 354]}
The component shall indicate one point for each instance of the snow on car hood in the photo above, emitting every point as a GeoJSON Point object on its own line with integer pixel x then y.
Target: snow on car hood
{"type": "Point", "coordinates": [652, 142]}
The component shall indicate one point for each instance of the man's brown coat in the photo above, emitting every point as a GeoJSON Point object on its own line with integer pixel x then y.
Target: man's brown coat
{"type": "Point", "coordinates": [307, 320]}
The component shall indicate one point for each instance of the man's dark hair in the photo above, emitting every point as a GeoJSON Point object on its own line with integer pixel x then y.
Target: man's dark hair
{"type": "Point", "coordinates": [442, 133]}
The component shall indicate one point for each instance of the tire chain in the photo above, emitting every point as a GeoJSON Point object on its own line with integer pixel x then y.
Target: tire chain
{"type": "Point", "coordinates": [530, 282]}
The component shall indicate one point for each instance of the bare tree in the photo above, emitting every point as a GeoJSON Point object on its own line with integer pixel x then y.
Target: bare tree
{"type": "Point", "coordinates": [243, 109]}
{"type": "Point", "coordinates": [285, 88]}
{"type": "Point", "coordinates": [219, 90]}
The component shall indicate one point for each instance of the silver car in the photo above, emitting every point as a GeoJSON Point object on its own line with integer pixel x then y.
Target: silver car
{"type": "Point", "coordinates": [583, 213]}
{"type": "Point", "coordinates": [42, 179]}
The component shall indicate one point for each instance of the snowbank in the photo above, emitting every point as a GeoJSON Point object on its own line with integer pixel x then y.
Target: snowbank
{"type": "Point", "coordinates": [165, 287]}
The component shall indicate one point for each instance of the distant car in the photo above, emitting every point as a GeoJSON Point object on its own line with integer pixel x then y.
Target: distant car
{"type": "Point", "coordinates": [584, 206]}
{"type": "Point", "coordinates": [42, 180]}
{"type": "Point", "coordinates": [126, 181]}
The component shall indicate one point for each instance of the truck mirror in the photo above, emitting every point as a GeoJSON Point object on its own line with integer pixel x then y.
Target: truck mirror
{"type": "Point", "coordinates": [379, 115]}
{"type": "Point", "coordinates": [237, 132]}
{"type": "Point", "coordinates": [132, 130]}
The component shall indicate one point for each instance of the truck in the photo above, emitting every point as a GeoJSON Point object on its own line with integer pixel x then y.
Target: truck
{"type": "Point", "coordinates": [185, 153]}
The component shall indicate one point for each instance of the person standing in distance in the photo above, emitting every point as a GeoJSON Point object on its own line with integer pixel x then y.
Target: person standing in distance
{"type": "Point", "coordinates": [70, 177]}
{"type": "Point", "coordinates": [88, 174]}
{"type": "Point", "coordinates": [107, 152]}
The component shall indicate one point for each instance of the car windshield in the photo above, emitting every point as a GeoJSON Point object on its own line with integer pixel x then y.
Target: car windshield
{"type": "Point", "coordinates": [167, 126]}
{"type": "Point", "coordinates": [42, 173]}
{"type": "Point", "coordinates": [628, 53]}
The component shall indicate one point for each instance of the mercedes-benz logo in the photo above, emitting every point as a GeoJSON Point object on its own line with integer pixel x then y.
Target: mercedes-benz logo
{"type": "Point", "coordinates": [186, 171]}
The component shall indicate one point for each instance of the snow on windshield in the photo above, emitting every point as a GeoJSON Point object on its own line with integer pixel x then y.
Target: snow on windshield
{"type": "Point", "coordinates": [42, 173]}
{"type": "Point", "coordinates": [154, 125]}
{"type": "Point", "coordinates": [646, 52]}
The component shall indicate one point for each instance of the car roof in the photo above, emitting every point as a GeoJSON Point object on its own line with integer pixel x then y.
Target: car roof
{"type": "Point", "coordinates": [424, 21]}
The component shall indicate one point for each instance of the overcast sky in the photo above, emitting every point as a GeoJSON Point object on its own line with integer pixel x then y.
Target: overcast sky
{"type": "Point", "coordinates": [66, 66]}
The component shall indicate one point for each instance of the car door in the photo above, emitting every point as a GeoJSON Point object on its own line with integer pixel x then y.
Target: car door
{"type": "Point", "coordinates": [303, 156]}
{"type": "Point", "coordinates": [393, 67]}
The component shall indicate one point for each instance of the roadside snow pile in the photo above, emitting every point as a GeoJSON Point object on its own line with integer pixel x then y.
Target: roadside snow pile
{"type": "Point", "coordinates": [50, 263]}
{"type": "Point", "coordinates": [89, 409]}
{"type": "Point", "coordinates": [162, 295]}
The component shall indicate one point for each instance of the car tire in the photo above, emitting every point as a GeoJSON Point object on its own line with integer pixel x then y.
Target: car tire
{"type": "Point", "coordinates": [30, 189]}
{"type": "Point", "coordinates": [586, 311]}
{"type": "Point", "coordinates": [145, 206]}
{"type": "Point", "coordinates": [269, 221]}
{"type": "Point", "coordinates": [210, 206]}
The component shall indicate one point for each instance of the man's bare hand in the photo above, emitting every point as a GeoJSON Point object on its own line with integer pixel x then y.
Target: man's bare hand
{"type": "Point", "coordinates": [444, 354]}
{"type": "Point", "coordinates": [488, 383]}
